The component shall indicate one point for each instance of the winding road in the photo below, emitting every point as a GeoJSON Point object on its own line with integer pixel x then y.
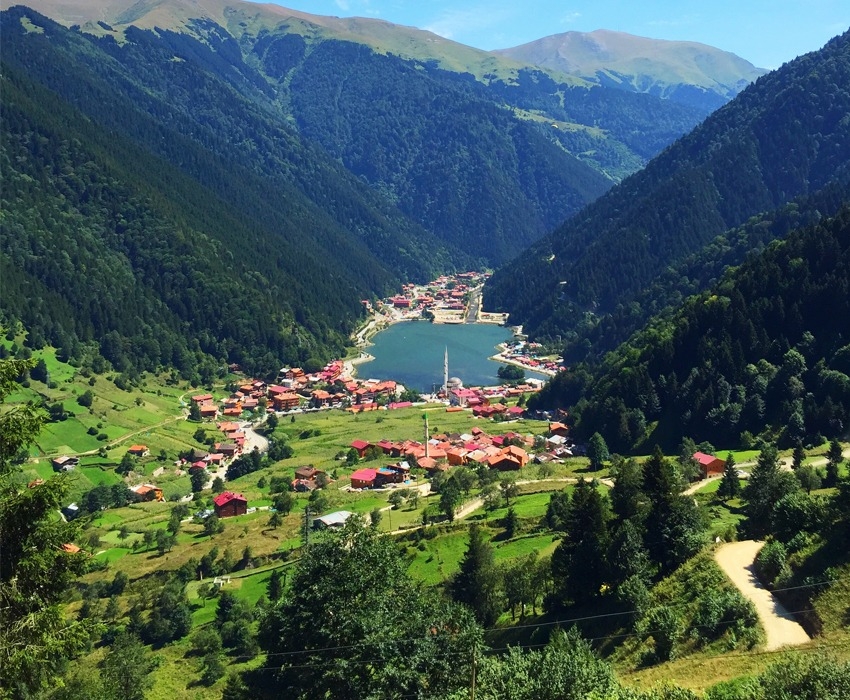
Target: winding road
{"type": "Point", "coordinates": [737, 561]}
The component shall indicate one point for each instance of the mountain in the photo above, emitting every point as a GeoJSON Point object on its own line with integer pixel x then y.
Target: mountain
{"type": "Point", "coordinates": [325, 170]}
{"type": "Point", "coordinates": [613, 133]}
{"type": "Point", "coordinates": [766, 351]}
{"type": "Point", "coordinates": [785, 136]}
{"type": "Point", "coordinates": [174, 220]}
{"type": "Point", "coordinates": [683, 71]}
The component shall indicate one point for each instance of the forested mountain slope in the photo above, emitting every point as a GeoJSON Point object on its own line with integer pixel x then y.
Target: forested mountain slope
{"type": "Point", "coordinates": [484, 152]}
{"type": "Point", "coordinates": [785, 136]}
{"type": "Point", "coordinates": [682, 71]}
{"type": "Point", "coordinates": [766, 351]}
{"type": "Point", "coordinates": [171, 219]}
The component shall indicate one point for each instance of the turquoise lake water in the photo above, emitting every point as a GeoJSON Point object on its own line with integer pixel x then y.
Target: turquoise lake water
{"type": "Point", "coordinates": [412, 353]}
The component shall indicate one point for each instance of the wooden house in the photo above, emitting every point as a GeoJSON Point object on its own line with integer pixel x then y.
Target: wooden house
{"type": "Point", "coordinates": [364, 478]}
{"type": "Point", "coordinates": [709, 464]}
{"type": "Point", "coordinates": [229, 504]}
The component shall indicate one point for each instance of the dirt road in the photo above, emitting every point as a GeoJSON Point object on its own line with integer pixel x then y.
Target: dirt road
{"type": "Point", "coordinates": [736, 559]}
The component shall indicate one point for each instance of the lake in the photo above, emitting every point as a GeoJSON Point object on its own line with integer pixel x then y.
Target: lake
{"type": "Point", "coordinates": [412, 353]}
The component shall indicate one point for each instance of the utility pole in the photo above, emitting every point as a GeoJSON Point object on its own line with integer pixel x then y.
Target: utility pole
{"type": "Point", "coordinates": [474, 669]}
{"type": "Point", "coordinates": [306, 534]}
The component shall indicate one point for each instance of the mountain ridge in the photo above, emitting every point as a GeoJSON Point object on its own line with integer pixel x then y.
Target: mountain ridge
{"type": "Point", "coordinates": [784, 136]}
{"type": "Point", "coordinates": [685, 71]}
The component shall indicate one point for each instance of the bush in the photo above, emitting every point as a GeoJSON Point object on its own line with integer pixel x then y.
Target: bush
{"type": "Point", "coordinates": [665, 627]}
{"type": "Point", "coordinates": [719, 610]}
{"type": "Point", "coordinates": [771, 562]}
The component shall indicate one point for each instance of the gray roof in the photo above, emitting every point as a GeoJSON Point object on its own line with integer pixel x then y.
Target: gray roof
{"type": "Point", "coordinates": [334, 519]}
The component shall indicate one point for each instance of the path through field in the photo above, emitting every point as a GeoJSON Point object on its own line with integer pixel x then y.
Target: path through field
{"type": "Point", "coordinates": [736, 559]}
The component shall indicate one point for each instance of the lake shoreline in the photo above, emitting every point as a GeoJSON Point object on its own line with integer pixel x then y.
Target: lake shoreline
{"type": "Point", "coordinates": [415, 355]}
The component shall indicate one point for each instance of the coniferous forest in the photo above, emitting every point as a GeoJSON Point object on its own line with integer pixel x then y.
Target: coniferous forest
{"type": "Point", "coordinates": [784, 137]}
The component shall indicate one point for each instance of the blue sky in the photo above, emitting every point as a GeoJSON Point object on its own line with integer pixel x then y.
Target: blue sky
{"type": "Point", "coordinates": [765, 32]}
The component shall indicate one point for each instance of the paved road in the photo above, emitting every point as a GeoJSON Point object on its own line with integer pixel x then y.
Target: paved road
{"type": "Point", "coordinates": [736, 559]}
{"type": "Point", "coordinates": [474, 307]}
{"type": "Point", "coordinates": [254, 439]}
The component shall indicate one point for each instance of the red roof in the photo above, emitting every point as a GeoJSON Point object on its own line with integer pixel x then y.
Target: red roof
{"type": "Point", "coordinates": [360, 444]}
{"type": "Point", "coordinates": [704, 459]}
{"type": "Point", "coordinates": [364, 474]}
{"type": "Point", "coordinates": [227, 497]}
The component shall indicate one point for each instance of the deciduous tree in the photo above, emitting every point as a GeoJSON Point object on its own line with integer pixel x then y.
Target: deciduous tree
{"type": "Point", "coordinates": [325, 645]}
{"type": "Point", "coordinates": [34, 569]}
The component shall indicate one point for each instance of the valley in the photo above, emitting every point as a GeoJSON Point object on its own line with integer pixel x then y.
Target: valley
{"type": "Point", "coordinates": [259, 436]}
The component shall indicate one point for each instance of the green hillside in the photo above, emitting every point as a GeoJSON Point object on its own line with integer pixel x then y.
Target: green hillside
{"type": "Point", "coordinates": [785, 136]}
{"type": "Point", "coordinates": [764, 352]}
{"type": "Point", "coordinates": [138, 216]}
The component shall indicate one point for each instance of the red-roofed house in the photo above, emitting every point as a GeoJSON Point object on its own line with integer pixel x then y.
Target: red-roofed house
{"type": "Point", "coordinates": [709, 464]}
{"type": "Point", "coordinates": [361, 446]}
{"type": "Point", "coordinates": [457, 456]}
{"type": "Point", "coordinates": [209, 410]}
{"type": "Point", "coordinates": [202, 398]}
{"type": "Point", "coordinates": [559, 429]}
{"type": "Point", "coordinates": [148, 492]}
{"type": "Point", "coordinates": [139, 450]}
{"type": "Point", "coordinates": [286, 402]}
{"type": "Point", "coordinates": [508, 459]}
{"type": "Point", "coordinates": [228, 504]}
{"type": "Point", "coordinates": [386, 446]}
{"type": "Point", "coordinates": [363, 478]}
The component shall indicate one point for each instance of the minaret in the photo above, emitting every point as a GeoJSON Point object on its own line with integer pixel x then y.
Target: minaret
{"type": "Point", "coordinates": [446, 373]}
{"type": "Point", "coordinates": [427, 437]}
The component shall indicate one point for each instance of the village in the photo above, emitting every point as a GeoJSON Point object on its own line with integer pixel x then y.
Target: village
{"type": "Point", "coordinates": [248, 403]}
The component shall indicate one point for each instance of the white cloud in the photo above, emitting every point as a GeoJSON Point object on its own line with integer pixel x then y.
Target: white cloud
{"type": "Point", "coordinates": [343, 5]}
{"type": "Point", "coordinates": [571, 18]}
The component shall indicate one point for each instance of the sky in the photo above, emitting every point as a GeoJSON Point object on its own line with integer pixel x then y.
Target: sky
{"type": "Point", "coordinates": [765, 32]}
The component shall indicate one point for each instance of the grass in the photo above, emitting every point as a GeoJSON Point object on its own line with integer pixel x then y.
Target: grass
{"type": "Point", "coordinates": [544, 544]}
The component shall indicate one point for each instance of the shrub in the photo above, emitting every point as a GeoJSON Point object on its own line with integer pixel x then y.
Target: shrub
{"type": "Point", "coordinates": [771, 562]}
{"type": "Point", "coordinates": [664, 625]}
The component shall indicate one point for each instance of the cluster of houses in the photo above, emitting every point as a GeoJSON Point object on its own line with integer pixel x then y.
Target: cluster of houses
{"type": "Point", "coordinates": [446, 293]}
{"type": "Point", "coordinates": [526, 354]}
{"type": "Point", "coordinates": [442, 452]}
{"type": "Point", "coordinates": [295, 389]}
{"type": "Point", "coordinates": [505, 452]}
{"type": "Point", "coordinates": [224, 451]}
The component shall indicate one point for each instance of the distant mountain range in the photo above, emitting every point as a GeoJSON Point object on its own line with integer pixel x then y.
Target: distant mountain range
{"type": "Point", "coordinates": [682, 71]}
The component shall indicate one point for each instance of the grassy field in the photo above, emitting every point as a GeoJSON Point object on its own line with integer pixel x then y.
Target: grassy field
{"type": "Point", "coordinates": [153, 414]}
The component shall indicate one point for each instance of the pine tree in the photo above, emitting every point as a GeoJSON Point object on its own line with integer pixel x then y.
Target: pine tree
{"type": "Point", "coordinates": [511, 523]}
{"type": "Point", "coordinates": [579, 562]}
{"type": "Point", "coordinates": [477, 582]}
{"type": "Point", "coordinates": [766, 485]}
{"type": "Point", "coordinates": [798, 457]}
{"type": "Point", "coordinates": [834, 458]}
{"type": "Point", "coordinates": [730, 486]}
{"type": "Point", "coordinates": [673, 528]}
{"type": "Point", "coordinates": [597, 451]}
